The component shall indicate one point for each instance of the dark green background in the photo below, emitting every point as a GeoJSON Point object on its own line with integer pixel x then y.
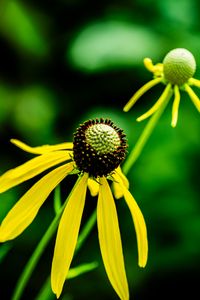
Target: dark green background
{"type": "Point", "coordinates": [64, 61]}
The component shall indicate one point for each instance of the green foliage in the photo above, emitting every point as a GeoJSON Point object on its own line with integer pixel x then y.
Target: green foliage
{"type": "Point", "coordinates": [22, 29]}
{"type": "Point", "coordinates": [112, 44]}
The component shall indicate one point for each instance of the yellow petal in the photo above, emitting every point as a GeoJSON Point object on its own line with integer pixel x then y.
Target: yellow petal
{"type": "Point", "coordinates": [148, 64]}
{"type": "Point", "coordinates": [157, 69]}
{"type": "Point", "coordinates": [42, 149]}
{"type": "Point", "coordinates": [157, 105]}
{"type": "Point", "coordinates": [117, 190]}
{"type": "Point", "coordinates": [31, 168]}
{"type": "Point", "coordinates": [193, 96]}
{"type": "Point", "coordinates": [122, 176]}
{"type": "Point", "coordinates": [140, 92]}
{"type": "Point", "coordinates": [139, 223]}
{"type": "Point", "coordinates": [67, 235]}
{"type": "Point", "coordinates": [194, 82]}
{"type": "Point", "coordinates": [110, 240]}
{"type": "Point", "coordinates": [93, 187]}
{"type": "Point", "coordinates": [25, 210]}
{"type": "Point", "coordinates": [175, 106]}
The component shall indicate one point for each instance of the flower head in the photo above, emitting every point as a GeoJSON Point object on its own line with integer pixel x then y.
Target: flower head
{"type": "Point", "coordinates": [176, 73]}
{"type": "Point", "coordinates": [99, 147]}
{"type": "Point", "coordinates": [95, 155]}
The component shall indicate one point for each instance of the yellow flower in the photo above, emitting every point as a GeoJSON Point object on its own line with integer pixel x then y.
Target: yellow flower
{"type": "Point", "coordinates": [95, 155]}
{"type": "Point", "coordinates": [176, 73]}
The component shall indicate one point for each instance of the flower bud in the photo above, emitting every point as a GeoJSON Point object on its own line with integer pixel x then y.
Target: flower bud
{"type": "Point", "coordinates": [179, 65]}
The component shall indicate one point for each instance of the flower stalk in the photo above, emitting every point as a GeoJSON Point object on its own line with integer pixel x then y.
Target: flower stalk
{"type": "Point", "coordinates": [31, 264]}
{"type": "Point", "coordinates": [144, 137]}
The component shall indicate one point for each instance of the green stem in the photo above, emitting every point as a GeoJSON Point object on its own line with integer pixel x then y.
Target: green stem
{"type": "Point", "coordinates": [46, 292]}
{"type": "Point", "coordinates": [57, 200]}
{"type": "Point", "coordinates": [31, 264]}
{"type": "Point", "coordinates": [135, 153]}
{"type": "Point", "coordinates": [86, 231]}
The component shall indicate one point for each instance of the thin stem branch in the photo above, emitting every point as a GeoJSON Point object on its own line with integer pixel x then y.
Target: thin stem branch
{"type": "Point", "coordinates": [144, 137]}
{"type": "Point", "coordinates": [86, 231]}
{"type": "Point", "coordinates": [31, 264]}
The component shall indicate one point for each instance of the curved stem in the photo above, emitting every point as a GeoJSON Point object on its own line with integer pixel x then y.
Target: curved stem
{"type": "Point", "coordinates": [30, 266]}
{"type": "Point", "coordinates": [135, 153]}
{"type": "Point", "coordinates": [86, 230]}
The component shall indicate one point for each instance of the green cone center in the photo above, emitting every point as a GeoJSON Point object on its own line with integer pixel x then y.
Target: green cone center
{"type": "Point", "coordinates": [102, 138]}
{"type": "Point", "coordinates": [179, 66]}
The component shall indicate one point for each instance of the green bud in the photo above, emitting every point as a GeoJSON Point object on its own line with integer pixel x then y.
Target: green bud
{"type": "Point", "coordinates": [179, 65]}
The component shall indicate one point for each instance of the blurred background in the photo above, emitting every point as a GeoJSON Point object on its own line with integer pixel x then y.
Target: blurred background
{"type": "Point", "coordinates": [65, 61]}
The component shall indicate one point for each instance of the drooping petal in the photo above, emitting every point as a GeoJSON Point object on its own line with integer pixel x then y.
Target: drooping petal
{"type": "Point", "coordinates": [158, 103]}
{"type": "Point", "coordinates": [93, 187]}
{"type": "Point", "coordinates": [25, 210]}
{"type": "Point", "coordinates": [140, 92]}
{"type": "Point", "coordinates": [31, 168]}
{"type": "Point", "coordinates": [67, 235]}
{"type": "Point", "coordinates": [139, 223]}
{"type": "Point", "coordinates": [175, 106]}
{"type": "Point", "coordinates": [122, 176]}
{"type": "Point", "coordinates": [110, 240]}
{"type": "Point", "coordinates": [117, 190]}
{"type": "Point", "coordinates": [140, 228]}
{"type": "Point", "coordinates": [193, 96]}
{"type": "Point", "coordinates": [42, 149]}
